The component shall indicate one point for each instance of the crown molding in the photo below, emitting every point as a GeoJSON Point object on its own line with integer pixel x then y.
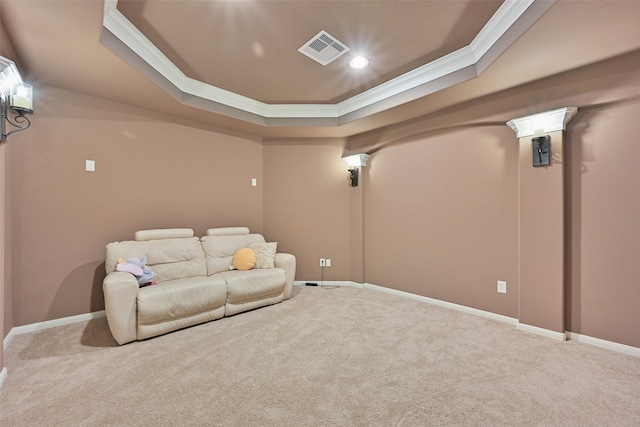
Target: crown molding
{"type": "Point", "coordinates": [504, 18]}
{"type": "Point", "coordinates": [548, 121]}
{"type": "Point", "coordinates": [132, 45]}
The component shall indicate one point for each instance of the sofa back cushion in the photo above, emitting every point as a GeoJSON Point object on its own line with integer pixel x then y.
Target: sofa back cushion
{"type": "Point", "coordinates": [219, 249]}
{"type": "Point", "coordinates": [170, 258]}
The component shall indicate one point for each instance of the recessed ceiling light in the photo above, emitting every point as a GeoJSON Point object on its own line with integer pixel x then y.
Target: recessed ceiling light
{"type": "Point", "coordinates": [358, 62]}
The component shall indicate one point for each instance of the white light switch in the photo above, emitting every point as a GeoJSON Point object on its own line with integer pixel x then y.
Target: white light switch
{"type": "Point", "coordinates": [90, 165]}
{"type": "Point", "coordinates": [254, 182]}
{"type": "Point", "coordinates": [502, 287]}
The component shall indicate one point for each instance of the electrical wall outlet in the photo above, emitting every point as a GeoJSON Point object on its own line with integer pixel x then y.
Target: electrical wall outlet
{"type": "Point", "coordinates": [323, 262]}
{"type": "Point", "coordinates": [502, 287]}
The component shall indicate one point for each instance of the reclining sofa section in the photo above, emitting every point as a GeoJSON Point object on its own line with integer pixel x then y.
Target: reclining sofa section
{"type": "Point", "coordinates": [195, 283]}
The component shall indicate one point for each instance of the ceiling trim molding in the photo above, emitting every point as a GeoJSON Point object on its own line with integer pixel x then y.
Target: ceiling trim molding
{"type": "Point", "coordinates": [541, 123]}
{"type": "Point", "coordinates": [410, 86]}
{"type": "Point", "coordinates": [504, 18]}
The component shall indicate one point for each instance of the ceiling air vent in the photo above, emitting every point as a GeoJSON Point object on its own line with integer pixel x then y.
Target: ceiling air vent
{"type": "Point", "coordinates": [323, 48]}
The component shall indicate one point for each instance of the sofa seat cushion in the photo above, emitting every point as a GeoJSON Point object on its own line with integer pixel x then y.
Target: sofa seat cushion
{"type": "Point", "coordinates": [179, 298]}
{"type": "Point", "coordinates": [244, 286]}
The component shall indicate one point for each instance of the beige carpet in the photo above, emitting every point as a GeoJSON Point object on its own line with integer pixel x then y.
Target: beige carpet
{"type": "Point", "coordinates": [339, 357]}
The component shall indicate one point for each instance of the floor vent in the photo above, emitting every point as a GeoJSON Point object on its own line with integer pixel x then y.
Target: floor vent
{"type": "Point", "coordinates": [323, 48]}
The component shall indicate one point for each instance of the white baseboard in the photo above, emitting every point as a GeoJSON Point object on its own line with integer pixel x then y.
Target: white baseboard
{"type": "Point", "coordinates": [585, 339]}
{"type": "Point", "coordinates": [558, 336]}
{"type": "Point", "coordinates": [328, 283]}
{"type": "Point", "coordinates": [609, 345]}
{"type": "Point", "coordinates": [50, 324]}
{"type": "Point", "coordinates": [8, 339]}
{"type": "Point", "coordinates": [3, 376]}
{"type": "Point", "coordinates": [449, 305]}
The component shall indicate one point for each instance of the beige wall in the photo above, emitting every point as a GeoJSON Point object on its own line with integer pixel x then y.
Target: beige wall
{"type": "Point", "coordinates": [542, 234]}
{"type": "Point", "coordinates": [6, 50]}
{"type": "Point", "coordinates": [440, 203]}
{"type": "Point", "coordinates": [441, 217]}
{"type": "Point", "coordinates": [2, 215]}
{"type": "Point", "coordinates": [150, 173]}
{"type": "Point", "coordinates": [3, 252]}
{"type": "Point", "coordinates": [438, 208]}
{"type": "Point", "coordinates": [603, 284]}
{"type": "Point", "coordinates": [307, 205]}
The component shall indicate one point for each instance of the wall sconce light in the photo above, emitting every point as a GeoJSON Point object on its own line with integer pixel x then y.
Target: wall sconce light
{"type": "Point", "coordinates": [15, 96]}
{"type": "Point", "coordinates": [541, 150]}
{"type": "Point", "coordinates": [355, 162]}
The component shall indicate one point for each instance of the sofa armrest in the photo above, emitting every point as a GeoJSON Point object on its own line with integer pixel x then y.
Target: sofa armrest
{"type": "Point", "coordinates": [120, 303]}
{"type": "Point", "coordinates": [288, 263]}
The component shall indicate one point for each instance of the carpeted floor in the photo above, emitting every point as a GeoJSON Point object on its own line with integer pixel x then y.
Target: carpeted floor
{"type": "Point", "coordinates": [339, 357]}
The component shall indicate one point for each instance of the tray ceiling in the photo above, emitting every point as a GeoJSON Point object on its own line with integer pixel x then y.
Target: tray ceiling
{"type": "Point", "coordinates": [212, 54]}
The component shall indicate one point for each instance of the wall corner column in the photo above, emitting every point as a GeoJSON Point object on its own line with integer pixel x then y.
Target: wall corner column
{"type": "Point", "coordinates": [541, 227]}
{"type": "Point", "coordinates": [356, 226]}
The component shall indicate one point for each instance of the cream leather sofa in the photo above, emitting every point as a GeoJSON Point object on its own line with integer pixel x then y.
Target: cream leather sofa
{"type": "Point", "coordinates": [195, 284]}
